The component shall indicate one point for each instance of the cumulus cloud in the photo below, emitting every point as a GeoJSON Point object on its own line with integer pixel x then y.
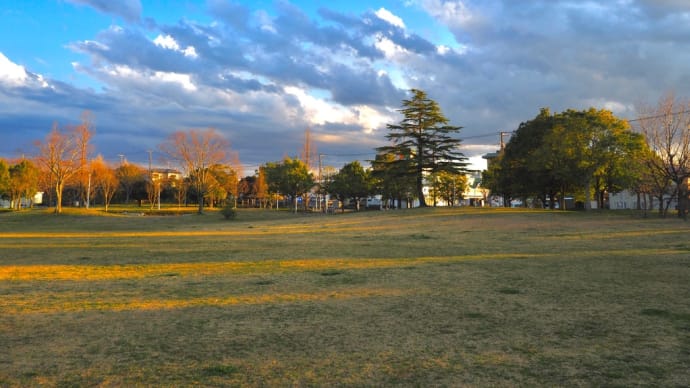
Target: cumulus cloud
{"type": "Point", "coordinates": [388, 16]}
{"type": "Point", "coordinates": [10, 73]}
{"type": "Point", "coordinates": [14, 75]}
{"type": "Point", "coordinates": [268, 73]}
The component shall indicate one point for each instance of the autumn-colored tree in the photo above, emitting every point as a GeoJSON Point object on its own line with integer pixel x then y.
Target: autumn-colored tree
{"type": "Point", "coordinates": [4, 177]}
{"type": "Point", "coordinates": [176, 188]}
{"type": "Point", "coordinates": [261, 188]}
{"type": "Point", "coordinates": [59, 155]}
{"type": "Point", "coordinates": [104, 179]}
{"type": "Point", "coordinates": [128, 175]}
{"type": "Point", "coordinates": [196, 151]}
{"type": "Point", "coordinates": [227, 182]}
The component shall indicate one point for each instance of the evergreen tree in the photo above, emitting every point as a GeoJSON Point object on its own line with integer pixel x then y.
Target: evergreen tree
{"type": "Point", "coordinates": [423, 141]}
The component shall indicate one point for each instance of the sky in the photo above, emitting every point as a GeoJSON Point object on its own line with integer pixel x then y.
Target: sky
{"type": "Point", "coordinates": [263, 72]}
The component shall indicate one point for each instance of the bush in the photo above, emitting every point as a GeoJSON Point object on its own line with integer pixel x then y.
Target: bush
{"type": "Point", "coordinates": [228, 212]}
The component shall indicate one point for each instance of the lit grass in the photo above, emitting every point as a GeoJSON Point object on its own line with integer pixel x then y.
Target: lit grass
{"type": "Point", "coordinates": [428, 297]}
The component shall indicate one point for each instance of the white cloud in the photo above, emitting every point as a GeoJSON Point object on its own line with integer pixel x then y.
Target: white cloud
{"type": "Point", "coordinates": [152, 79]}
{"type": "Point", "coordinates": [168, 42]}
{"type": "Point", "coordinates": [388, 47]}
{"type": "Point", "coordinates": [370, 118]}
{"type": "Point", "coordinates": [389, 17]}
{"type": "Point", "coordinates": [442, 49]}
{"type": "Point", "coordinates": [451, 13]}
{"type": "Point", "coordinates": [14, 75]}
{"type": "Point", "coordinates": [11, 73]}
{"type": "Point", "coordinates": [320, 112]}
{"type": "Point", "coordinates": [183, 80]}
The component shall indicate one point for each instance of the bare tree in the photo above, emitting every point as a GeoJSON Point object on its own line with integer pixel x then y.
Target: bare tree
{"type": "Point", "coordinates": [666, 128]}
{"type": "Point", "coordinates": [196, 151]}
{"type": "Point", "coordinates": [59, 154]}
{"type": "Point", "coordinates": [84, 132]}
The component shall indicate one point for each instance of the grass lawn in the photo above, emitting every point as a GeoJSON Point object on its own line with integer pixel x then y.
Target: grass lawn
{"type": "Point", "coordinates": [424, 297]}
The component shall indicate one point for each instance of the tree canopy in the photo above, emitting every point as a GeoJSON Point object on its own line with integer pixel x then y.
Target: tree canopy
{"type": "Point", "coordinates": [569, 152]}
{"type": "Point", "coordinates": [290, 177]}
{"type": "Point", "coordinates": [352, 181]}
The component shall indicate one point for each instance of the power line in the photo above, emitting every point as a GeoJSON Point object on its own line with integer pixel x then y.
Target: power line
{"type": "Point", "coordinates": [488, 134]}
{"type": "Point", "coordinates": [661, 115]}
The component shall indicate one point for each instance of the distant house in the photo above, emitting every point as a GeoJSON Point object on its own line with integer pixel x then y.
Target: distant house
{"type": "Point", "coordinates": [166, 174]}
{"type": "Point", "coordinates": [37, 199]}
{"type": "Point", "coordinates": [475, 194]}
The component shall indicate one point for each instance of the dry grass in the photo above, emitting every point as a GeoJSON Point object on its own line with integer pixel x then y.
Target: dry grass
{"type": "Point", "coordinates": [437, 297]}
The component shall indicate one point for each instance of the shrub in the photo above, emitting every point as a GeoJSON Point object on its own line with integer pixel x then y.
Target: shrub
{"type": "Point", "coordinates": [228, 212]}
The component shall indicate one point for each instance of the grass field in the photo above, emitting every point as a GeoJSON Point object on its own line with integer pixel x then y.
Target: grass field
{"type": "Point", "coordinates": [425, 297]}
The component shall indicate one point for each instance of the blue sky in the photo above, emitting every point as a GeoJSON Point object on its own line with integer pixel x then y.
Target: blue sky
{"type": "Point", "coordinates": [261, 72]}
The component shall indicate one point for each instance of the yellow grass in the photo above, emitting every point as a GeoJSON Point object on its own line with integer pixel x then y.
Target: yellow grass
{"type": "Point", "coordinates": [435, 297]}
{"type": "Point", "coordinates": [87, 301]}
{"type": "Point", "coordinates": [83, 273]}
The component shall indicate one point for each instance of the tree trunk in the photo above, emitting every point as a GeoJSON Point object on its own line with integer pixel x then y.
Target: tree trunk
{"type": "Point", "coordinates": [588, 195]}
{"type": "Point", "coordinates": [58, 197]}
{"type": "Point", "coordinates": [201, 205]}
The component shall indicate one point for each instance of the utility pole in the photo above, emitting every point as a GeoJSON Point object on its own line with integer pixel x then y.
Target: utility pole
{"type": "Point", "coordinates": [320, 183]}
{"type": "Point", "coordinates": [154, 185]}
{"type": "Point", "coordinates": [502, 133]}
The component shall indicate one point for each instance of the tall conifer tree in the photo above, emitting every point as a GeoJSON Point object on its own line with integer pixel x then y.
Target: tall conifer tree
{"type": "Point", "coordinates": [423, 140]}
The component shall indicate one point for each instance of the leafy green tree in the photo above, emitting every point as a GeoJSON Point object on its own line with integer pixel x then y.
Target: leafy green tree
{"type": "Point", "coordinates": [353, 182]}
{"type": "Point", "coordinates": [522, 170]}
{"type": "Point", "coordinates": [496, 181]}
{"type": "Point", "coordinates": [23, 182]}
{"type": "Point", "coordinates": [424, 136]}
{"type": "Point", "coordinates": [290, 177]}
{"type": "Point", "coordinates": [449, 187]}
{"type": "Point", "coordinates": [591, 145]}
{"type": "Point", "coordinates": [573, 151]}
{"type": "Point", "coordinates": [391, 178]}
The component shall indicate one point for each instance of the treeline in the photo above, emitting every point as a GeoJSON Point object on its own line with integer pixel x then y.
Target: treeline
{"type": "Point", "coordinates": [422, 153]}
{"type": "Point", "coordinates": [586, 154]}
{"type": "Point", "coordinates": [590, 154]}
